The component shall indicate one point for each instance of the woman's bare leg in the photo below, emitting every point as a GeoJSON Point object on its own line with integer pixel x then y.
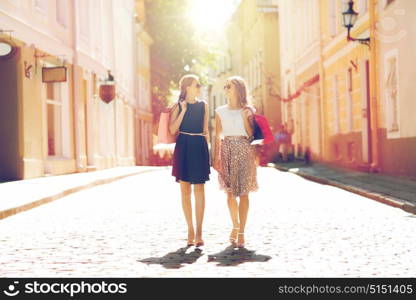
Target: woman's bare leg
{"type": "Point", "coordinates": [233, 208]}
{"type": "Point", "coordinates": [187, 209]}
{"type": "Point", "coordinates": [199, 193]}
{"type": "Point", "coordinates": [242, 212]}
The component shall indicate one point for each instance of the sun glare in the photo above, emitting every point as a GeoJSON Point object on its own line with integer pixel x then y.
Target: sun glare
{"type": "Point", "coordinates": [210, 15]}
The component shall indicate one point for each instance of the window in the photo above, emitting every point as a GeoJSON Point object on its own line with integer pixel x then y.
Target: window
{"type": "Point", "coordinates": [335, 105]}
{"type": "Point", "coordinates": [251, 74]}
{"type": "Point", "coordinates": [54, 118]}
{"type": "Point", "coordinates": [42, 5]}
{"type": "Point", "coordinates": [289, 111]}
{"type": "Point", "coordinates": [147, 94]}
{"type": "Point", "coordinates": [342, 6]}
{"type": "Point", "coordinates": [257, 69]}
{"type": "Point", "coordinates": [332, 17]}
{"type": "Point", "coordinates": [228, 61]}
{"type": "Point", "coordinates": [260, 55]}
{"type": "Point", "coordinates": [246, 72]}
{"type": "Point", "coordinates": [337, 153]}
{"type": "Point", "coordinates": [392, 92]}
{"type": "Point", "coordinates": [84, 18]}
{"type": "Point", "coordinates": [309, 17]}
{"type": "Point", "coordinates": [349, 102]}
{"type": "Point", "coordinates": [350, 151]}
{"type": "Point", "coordinates": [61, 12]}
{"type": "Point", "coordinates": [254, 72]}
{"type": "Point", "coordinates": [362, 6]}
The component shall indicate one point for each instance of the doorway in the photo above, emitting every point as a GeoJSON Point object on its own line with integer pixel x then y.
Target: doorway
{"type": "Point", "coordinates": [10, 138]}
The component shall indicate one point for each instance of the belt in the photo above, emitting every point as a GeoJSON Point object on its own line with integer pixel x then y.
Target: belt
{"type": "Point", "coordinates": [188, 133]}
{"type": "Point", "coordinates": [235, 136]}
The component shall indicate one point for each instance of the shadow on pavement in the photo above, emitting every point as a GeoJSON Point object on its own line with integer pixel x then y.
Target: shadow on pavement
{"type": "Point", "coordinates": [234, 256]}
{"type": "Point", "coordinates": [176, 259]}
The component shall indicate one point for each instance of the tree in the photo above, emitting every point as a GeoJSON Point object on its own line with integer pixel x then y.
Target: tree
{"type": "Point", "coordinates": [177, 49]}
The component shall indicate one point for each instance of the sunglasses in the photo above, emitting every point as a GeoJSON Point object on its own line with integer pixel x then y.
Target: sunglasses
{"type": "Point", "coordinates": [227, 86]}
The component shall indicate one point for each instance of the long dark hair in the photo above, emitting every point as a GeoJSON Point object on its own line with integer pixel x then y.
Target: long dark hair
{"type": "Point", "coordinates": [185, 82]}
{"type": "Point", "coordinates": [241, 88]}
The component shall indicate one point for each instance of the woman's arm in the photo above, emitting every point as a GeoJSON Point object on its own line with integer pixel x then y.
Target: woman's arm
{"type": "Point", "coordinates": [218, 131]}
{"type": "Point", "coordinates": [206, 116]}
{"type": "Point", "coordinates": [176, 118]}
{"type": "Point", "coordinates": [248, 116]}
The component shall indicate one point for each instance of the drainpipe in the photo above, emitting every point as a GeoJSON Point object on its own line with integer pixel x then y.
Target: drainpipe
{"type": "Point", "coordinates": [75, 86]}
{"type": "Point", "coordinates": [112, 32]}
{"type": "Point", "coordinates": [322, 112]}
{"type": "Point", "coordinates": [375, 167]}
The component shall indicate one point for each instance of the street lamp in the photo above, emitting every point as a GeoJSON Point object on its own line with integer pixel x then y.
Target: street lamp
{"type": "Point", "coordinates": [108, 88]}
{"type": "Point", "coordinates": [349, 17]}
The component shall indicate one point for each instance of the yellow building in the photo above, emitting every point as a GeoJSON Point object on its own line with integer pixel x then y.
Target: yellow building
{"type": "Point", "coordinates": [300, 75]}
{"type": "Point", "coordinates": [251, 50]}
{"type": "Point", "coordinates": [253, 37]}
{"type": "Point", "coordinates": [64, 127]}
{"type": "Point", "coordinates": [325, 83]}
{"type": "Point", "coordinates": [346, 87]}
{"type": "Point", "coordinates": [396, 41]}
{"type": "Point", "coordinates": [341, 96]}
{"type": "Point", "coordinates": [144, 115]}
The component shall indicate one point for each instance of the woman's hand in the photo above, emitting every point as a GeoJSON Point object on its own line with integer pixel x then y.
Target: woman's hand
{"type": "Point", "coordinates": [216, 164]}
{"type": "Point", "coordinates": [247, 115]}
{"type": "Point", "coordinates": [183, 106]}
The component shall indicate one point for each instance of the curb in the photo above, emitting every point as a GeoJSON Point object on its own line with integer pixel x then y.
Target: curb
{"type": "Point", "coordinates": [410, 208]}
{"type": "Point", "coordinates": [15, 210]}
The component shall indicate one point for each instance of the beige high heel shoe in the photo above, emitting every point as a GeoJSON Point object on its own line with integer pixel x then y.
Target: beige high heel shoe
{"type": "Point", "coordinates": [240, 244]}
{"type": "Point", "coordinates": [233, 240]}
{"type": "Point", "coordinates": [199, 243]}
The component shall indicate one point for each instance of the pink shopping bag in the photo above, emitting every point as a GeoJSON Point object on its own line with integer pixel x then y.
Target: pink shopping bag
{"type": "Point", "coordinates": [163, 134]}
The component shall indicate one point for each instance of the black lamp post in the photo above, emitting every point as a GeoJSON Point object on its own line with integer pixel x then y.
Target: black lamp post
{"type": "Point", "coordinates": [349, 17]}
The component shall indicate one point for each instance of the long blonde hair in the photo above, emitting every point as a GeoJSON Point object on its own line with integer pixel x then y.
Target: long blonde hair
{"type": "Point", "coordinates": [241, 88]}
{"type": "Point", "coordinates": [185, 82]}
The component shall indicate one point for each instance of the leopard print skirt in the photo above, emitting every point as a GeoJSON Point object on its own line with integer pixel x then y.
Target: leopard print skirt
{"type": "Point", "coordinates": [238, 170]}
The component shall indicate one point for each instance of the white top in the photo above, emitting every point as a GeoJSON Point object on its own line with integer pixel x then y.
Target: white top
{"type": "Point", "coordinates": [231, 121]}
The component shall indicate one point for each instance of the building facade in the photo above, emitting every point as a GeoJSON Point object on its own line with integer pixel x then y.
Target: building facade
{"type": "Point", "coordinates": [396, 38]}
{"type": "Point", "coordinates": [143, 113]}
{"type": "Point", "coordinates": [342, 97]}
{"type": "Point", "coordinates": [51, 128]}
{"type": "Point", "coordinates": [300, 71]}
{"type": "Point", "coordinates": [251, 50]}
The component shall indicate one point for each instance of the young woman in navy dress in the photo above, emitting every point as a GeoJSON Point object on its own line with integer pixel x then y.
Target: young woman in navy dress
{"type": "Point", "coordinates": [190, 164]}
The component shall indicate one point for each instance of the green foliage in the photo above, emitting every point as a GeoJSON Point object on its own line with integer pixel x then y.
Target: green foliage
{"type": "Point", "coordinates": [176, 43]}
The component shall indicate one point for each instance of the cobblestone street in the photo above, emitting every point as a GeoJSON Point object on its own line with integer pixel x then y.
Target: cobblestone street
{"type": "Point", "coordinates": [134, 227]}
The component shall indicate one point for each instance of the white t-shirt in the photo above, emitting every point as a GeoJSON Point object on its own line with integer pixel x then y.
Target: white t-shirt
{"type": "Point", "coordinates": [231, 121]}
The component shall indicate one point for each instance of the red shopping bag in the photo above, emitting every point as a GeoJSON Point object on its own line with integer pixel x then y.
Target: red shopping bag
{"type": "Point", "coordinates": [262, 134]}
{"type": "Point", "coordinates": [262, 129]}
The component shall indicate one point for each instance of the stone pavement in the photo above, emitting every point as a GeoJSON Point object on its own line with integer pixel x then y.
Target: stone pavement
{"type": "Point", "coordinates": [395, 191]}
{"type": "Point", "coordinates": [18, 196]}
{"type": "Point", "coordinates": [134, 227]}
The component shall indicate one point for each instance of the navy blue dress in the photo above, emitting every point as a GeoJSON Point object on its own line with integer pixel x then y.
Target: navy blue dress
{"type": "Point", "coordinates": [191, 155]}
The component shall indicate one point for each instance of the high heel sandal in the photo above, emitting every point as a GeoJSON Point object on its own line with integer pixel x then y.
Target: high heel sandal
{"type": "Point", "coordinates": [190, 242]}
{"type": "Point", "coordinates": [199, 243]}
{"type": "Point", "coordinates": [233, 240]}
{"type": "Point", "coordinates": [240, 244]}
